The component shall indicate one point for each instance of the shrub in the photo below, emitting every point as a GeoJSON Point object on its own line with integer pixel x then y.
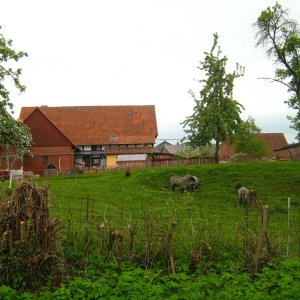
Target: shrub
{"type": "Point", "coordinates": [30, 253]}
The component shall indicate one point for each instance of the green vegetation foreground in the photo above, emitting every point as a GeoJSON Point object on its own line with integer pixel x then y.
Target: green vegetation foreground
{"type": "Point", "coordinates": [217, 248]}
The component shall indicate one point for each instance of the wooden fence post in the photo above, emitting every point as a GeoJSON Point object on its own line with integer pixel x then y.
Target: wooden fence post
{"type": "Point", "coordinates": [132, 233]}
{"type": "Point", "coordinates": [253, 198]}
{"type": "Point", "coordinates": [264, 243]}
{"type": "Point", "coordinates": [265, 238]}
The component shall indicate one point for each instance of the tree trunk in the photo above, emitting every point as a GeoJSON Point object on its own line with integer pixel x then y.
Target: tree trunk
{"type": "Point", "coordinates": [217, 152]}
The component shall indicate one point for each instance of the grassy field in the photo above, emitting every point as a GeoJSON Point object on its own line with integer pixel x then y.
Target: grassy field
{"type": "Point", "coordinates": [271, 180]}
{"type": "Point", "coordinates": [148, 189]}
{"type": "Point", "coordinates": [117, 230]}
{"type": "Point", "coordinates": [210, 214]}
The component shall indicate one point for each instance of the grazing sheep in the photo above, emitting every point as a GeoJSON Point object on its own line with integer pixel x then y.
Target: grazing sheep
{"type": "Point", "coordinates": [193, 182]}
{"type": "Point", "coordinates": [243, 194]}
{"type": "Point", "coordinates": [184, 183]}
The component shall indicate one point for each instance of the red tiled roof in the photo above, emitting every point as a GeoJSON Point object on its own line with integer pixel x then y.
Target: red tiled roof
{"type": "Point", "coordinates": [273, 140]}
{"type": "Point", "coordinates": [289, 146]}
{"type": "Point", "coordinates": [93, 125]}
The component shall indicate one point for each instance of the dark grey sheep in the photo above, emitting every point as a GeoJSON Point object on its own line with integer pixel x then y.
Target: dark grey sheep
{"type": "Point", "coordinates": [193, 182]}
{"type": "Point", "coordinates": [184, 183]}
{"type": "Point", "coordinates": [243, 194]}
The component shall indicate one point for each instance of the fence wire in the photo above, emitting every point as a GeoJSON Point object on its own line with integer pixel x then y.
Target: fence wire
{"type": "Point", "coordinates": [274, 225]}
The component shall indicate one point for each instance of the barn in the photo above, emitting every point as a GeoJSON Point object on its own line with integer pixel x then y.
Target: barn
{"type": "Point", "coordinates": [69, 138]}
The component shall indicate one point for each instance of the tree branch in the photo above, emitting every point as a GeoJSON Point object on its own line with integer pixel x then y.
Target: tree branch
{"type": "Point", "coordinates": [276, 80]}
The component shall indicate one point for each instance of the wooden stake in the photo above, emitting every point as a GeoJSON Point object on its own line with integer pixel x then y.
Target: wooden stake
{"type": "Point", "coordinates": [264, 240]}
{"type": "Point", "coordinates": [253, 198]}
{"type": "Point", "coordinates": [132, 233]}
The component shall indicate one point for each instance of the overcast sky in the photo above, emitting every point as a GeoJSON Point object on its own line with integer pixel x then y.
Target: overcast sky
{"type": "Point", "coordinates": [142, 52]}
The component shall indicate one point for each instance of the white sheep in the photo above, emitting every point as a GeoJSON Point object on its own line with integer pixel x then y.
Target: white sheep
{"type": "Point", "coordinates": [243, 194]}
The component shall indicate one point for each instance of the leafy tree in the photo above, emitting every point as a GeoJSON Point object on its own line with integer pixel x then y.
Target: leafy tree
{"type": "Point", "coordinates": [252, 146]}
{"type": "Point", "coordinates": [280, 36]}
{"type": "Point", "coordinates": [13, 133]}
{"type": "Point", "coordinates": [198, 152]}
{"type": "Point", "coordinates": [247, 128]}
{"type": "Point", "coordinates": [216, 114]}
{"type": "Point", "coordinates": [248, 143]}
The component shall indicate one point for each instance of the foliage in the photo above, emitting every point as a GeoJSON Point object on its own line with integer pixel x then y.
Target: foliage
{"type": "Point", "coordinates": [247, 128]}
{"type": "Point", "coordinates": [246, 144]}
{"type": "Point", "coordinates": [253, 146]}
{"type": "Point", "coordinates": [226, 280]}
{"type": "Point", "coordinates": [198, 152]}
{"type": "Point", "coordinates": [13, 133]}
{"type": "Point", "coordinates": [238, 157]}
{"type": "Point", "coordinates": [280, 36]}
{"type": "Point", "coordinates": [216, 114]}
{"type": "Point", "coordinates": [29, 245]}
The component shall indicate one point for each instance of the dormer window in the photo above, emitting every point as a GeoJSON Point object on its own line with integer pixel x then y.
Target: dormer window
{"type": "Point", "coordinates": [113, 138]}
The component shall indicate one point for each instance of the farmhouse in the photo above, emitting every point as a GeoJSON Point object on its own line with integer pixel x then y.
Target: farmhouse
{"type": "Point", "coordinates": [86, 137]}
{"type": "Point", "coordinates": [272, 140]}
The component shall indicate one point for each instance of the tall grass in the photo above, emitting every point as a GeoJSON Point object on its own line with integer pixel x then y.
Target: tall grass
{"type": "Point", "coordinates": [99, 212]}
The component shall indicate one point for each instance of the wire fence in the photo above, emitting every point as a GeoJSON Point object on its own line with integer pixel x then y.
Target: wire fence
{"type": "Point", "coordinates": [177, 229]}
{"type": "Point", "coordinates": [59, 229]}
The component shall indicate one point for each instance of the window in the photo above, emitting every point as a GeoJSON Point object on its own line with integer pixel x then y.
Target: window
{"type": "Point", "coordinates": [130, 114]}
{"type": "Point", "coordinates": [96, 161]}
{"type": "Point", "coordinates": [87, 148]}
{"type": "Point", "coordinates": [96, 147]}
{"type": "Point", "coordinates": [45, 159]}
{"type": "Point", "coordinates": [113, 138]}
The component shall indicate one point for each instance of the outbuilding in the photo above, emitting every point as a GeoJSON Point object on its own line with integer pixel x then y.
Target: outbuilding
{"type": "Point", "coordinates": [293, 150]}
{"type": "Point", "coordinates": [131, 160]}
